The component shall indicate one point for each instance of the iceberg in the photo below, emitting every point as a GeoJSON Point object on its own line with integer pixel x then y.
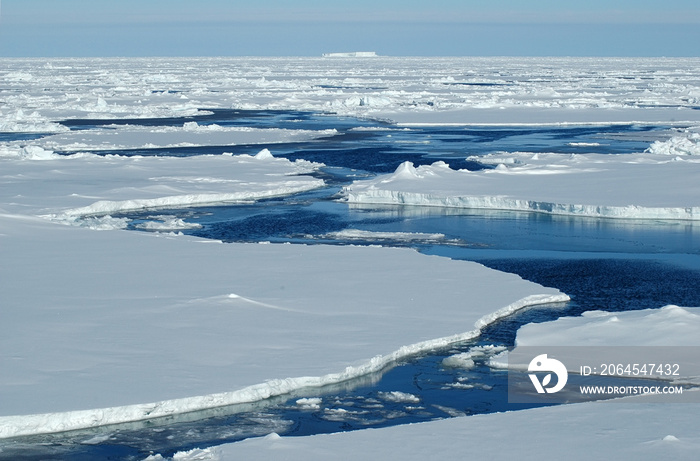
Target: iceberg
{"type": "Point", "coordinates": [352, 54]}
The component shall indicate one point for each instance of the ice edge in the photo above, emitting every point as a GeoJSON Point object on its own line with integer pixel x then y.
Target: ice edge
{"type": "Point", "coordinates": [17, 426]}
{"type": "Point", "coordinates": [391, 197]}
{"type": "Point", "coordinates": [106, 207]}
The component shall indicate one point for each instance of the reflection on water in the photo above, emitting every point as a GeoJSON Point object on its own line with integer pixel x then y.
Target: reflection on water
{"type": "Point", "coordinates": [309, 218]}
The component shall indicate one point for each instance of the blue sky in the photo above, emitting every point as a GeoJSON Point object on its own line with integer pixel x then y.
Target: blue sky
{"type": "Point", "coordinates": [312, 27]}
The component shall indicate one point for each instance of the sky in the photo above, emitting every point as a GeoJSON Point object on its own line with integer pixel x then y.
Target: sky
{"type": "Point", "coordinates": [56, 28]}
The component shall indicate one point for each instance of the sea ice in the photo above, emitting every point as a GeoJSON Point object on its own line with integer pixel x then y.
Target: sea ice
{"type": "Point", "coordinates": [128, 326]}
{"type": "Point", "coordinates": [399, 397]}
{"type": "Point", "coordinates": [668, 326]}
{"type": "Point", "coordinates": [358, 234]}
{"type": "Point", "coordinates": [189, 135]}
{"type": "Point", "coordinates": [105, 327]}
{"type": "Point", "coordinates": [466, 359]}
{"type": "Point", "coordinates": [90, 185]}
{"type": "Point", "coordinates": [309, 403]}
{"type": "Point", "coordinates": [633, 186]}
{"type": "Point", "coordinates": [411, 90]}
{"type": "Point", "coordinates": [630, 430]}
{"type": "Point", "coordinates": [689, 144]}
{"type": "Point", "coordinates": [594, 430]}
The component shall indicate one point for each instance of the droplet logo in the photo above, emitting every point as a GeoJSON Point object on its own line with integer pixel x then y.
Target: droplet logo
{"type": "Point", "coordinates": [543, 363]}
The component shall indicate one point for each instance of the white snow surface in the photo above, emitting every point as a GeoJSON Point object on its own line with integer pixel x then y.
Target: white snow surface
{"type": "Point", "coordinates": [117, 320]}
{"type": "Point", "coordinates": [90, 185]}
{"type": "Point", "coordinates": [594, 430]}
{"type": "Point", "coordinates": [574, 432]}
{"type": "Point", "coordinates": [634, 186]}
{"type": "Point", "coordinates": [189, 135]}
{"type": "Point", "coordinates": [656, 329]}
{"type": "Point", "coordinates": [38, 92]}
{"type": "Point", "coordinates": [668, 326]}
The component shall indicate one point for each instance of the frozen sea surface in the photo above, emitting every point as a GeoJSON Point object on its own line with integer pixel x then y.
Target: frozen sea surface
{"type": "Point", "coordinates": [359, 119]}
{"type": "Point", "coordinates": [423, 388]}
{"type": "Point", "coordinates": [592, 266]}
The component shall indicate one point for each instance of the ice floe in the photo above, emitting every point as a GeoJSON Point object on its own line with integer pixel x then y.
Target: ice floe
{"type": "Point", "coordinates": [189, 135]}
{"type": "Point", "coordinates": [573, 432]}
{"type": "Point", "coordinates": [668, 326]}
{"type": "Point", "coordinates": [630, 430]}
{"type": "Point", "coordinates": [166, 224]}
{"type": "Point", "coordinates": [90, 185]}
{"type": "Point", "coordinates": [358, 234]}
{"type": "Point", "coordinates": [633, 186]}
{"type": "Point", "coordinates": [132, 326]}
{"type": "Point", "coordinates": [466, 359]}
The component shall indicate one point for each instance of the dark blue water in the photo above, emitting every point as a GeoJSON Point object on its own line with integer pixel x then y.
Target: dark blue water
{"type": "Point", "coordinates": [11, 136]}
{"type": "Point", "coordinates": [381, 151]}
{"type": "Point", "coordinates": [611, 265]}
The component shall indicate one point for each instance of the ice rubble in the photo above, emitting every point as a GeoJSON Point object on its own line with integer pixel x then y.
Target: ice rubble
{"type": "Point", "coordinates": [167, 223]}
{"type": "Point", "coordinates": [678, 145]}
{"type": "Point", "coordinates": [397, 396]}
{"type": "Point", "coordinates": [19, 122]}
{"type": "Point", "coordinates": [466, 359]}
{"type": "Point", "coordinates": [358, 234]}
{"type": "Point", "coordinates": [636, 186]}
{"type": "Point", "coordinates": [405, 89]}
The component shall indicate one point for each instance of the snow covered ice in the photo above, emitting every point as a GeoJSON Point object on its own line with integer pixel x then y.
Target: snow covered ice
{"type": "Point", "coordinates": [189, 135]}
{"type": "Point", "coordinates": [105, 327]}
{"type": "Point", "coordinates": [630, 430]}
{"type": "Point", "coordinates": [407, 90]}
{"type": "Point", "coordinates": [68, 191]}
{"type": "Point", "coordinates": [648, 185]}
{"type": "Point", "coordinates": [119, 320]}
{"type": "Point", "coordinates": [576, 432]}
